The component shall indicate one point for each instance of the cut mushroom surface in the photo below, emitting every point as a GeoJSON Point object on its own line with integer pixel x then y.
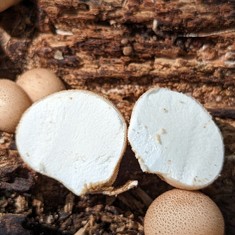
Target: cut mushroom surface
{"type": "Point", "coordinates": [76, 137]}
{"type": "Point", "coordinates": [173, 136]}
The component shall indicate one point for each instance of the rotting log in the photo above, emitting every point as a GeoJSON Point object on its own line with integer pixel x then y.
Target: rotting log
{"type": "Point", "coordinates": [177, 16]}
{"type": "Point", "coordinates": [17, 29]}
{"type": "Point", "coordinates": [119, 49]}
{"type": "Point", "coordinates": [95, 59]}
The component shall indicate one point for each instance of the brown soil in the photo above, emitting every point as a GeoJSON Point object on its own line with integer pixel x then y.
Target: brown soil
{"type": "Point", "coordinates": [35, 204]}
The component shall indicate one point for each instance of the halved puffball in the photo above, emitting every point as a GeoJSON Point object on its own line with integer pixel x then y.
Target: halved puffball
{"type": "Point", "coordinates": [185, 213]}
{"type": "Point", "coordinates": [176, 138]}
{"type": "Point", "coordinates": [39, 83]}
{"type": "Point", "coordinates": [13, 102]}
{"type": "Point", "coordinates": [4, 4]}
{"type": "Point", "coordinates": [76, 137]}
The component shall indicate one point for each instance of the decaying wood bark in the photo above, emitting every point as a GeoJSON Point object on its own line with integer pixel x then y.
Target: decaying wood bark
{"type": "Point", "coordinates": [120, 49]}
{"type": "Point", "coordinates": [11, 224]}
{"type": "Point", "coordinates": [17, 28]}
{"type": "Point", "coordinates": [101, 59]}
{"type": "Point", "coordinates": [177, 16]}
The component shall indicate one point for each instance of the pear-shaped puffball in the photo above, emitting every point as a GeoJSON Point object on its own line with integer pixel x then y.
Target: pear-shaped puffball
{"type": "Point", "coordinates": [13, 102]}
{"type": "Point", "coordinates": [185, 213]}
{"type": "Point", "coordinates": [39, 83]}
{"type": "Point", "coordinates": [4, 4]}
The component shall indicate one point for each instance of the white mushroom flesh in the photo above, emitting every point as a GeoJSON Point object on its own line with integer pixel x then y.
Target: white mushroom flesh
{"type": "Point", "coordinates": [175, 137]}
{"type": "Point", "coordinates": [75, 137]}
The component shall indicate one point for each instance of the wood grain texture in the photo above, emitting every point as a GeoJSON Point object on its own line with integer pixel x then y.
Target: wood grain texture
{"type": "Point", "coordinates": [95, 58]}
{"type": "Point", "coordinates": [177, 16]}
{"type": "Point", "coordinates": [120, 49]}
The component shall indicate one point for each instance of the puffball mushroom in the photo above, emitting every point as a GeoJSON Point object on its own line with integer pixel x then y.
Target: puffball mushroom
{"type": "Point", "coordinates": [76, 137]}
{"type": "Point", "coordinates": [4, 4]}
{"type": "Point", "coordinates": [13, 102]}
{"type": "Point", "coordinates": [185, 213]}
{"type": "Point", "coordinates": [175, 137]}
{"type": "Point", "coordinates": [39, 83]}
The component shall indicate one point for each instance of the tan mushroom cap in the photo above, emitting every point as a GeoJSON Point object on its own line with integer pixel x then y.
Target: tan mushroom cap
{"type": "Point", "coordinates": [13, 102]}
{"type": "Point", "coordinates": [185, 213]}
{"type": "Point", "coordinates": [4, 4]}
{"type": "Point", "coordinates": [39, 83]}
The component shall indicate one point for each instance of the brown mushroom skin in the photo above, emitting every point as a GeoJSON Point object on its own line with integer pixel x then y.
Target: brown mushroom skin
{"type": "Point", "coordinates": [185, 213]}
{"type": "Point", "coordinates": [39, 83]}
{"type": "Point", "coordinates": [13, 102]}
{"type": "Point", "coordinates": [4, 4]}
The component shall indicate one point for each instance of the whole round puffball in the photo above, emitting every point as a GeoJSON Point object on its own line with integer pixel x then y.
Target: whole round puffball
{"type": "Point", "coordinates": [13, 102]}
{"type": "Point", "coordinates": [4, 4]}
{"type": "Point", "coordinates": [39, 83]}
{"type": "Point", "coordinates": [185, 213]}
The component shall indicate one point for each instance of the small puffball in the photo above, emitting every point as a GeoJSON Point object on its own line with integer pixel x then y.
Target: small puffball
{"type": "Point", "coordinates": [39, 83]}
{"type": "Point", "coordinates": [13, 102]}
{"type": "Point", "coordinates": [4, 4]}
{"type": "Point", "coordinates": [185, 213]}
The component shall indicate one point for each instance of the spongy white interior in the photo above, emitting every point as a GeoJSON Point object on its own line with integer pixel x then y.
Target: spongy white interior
{"type": "Point", "coordinates": [75, 137]}
{"type": "Point", "coordinates": [174, 136]}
